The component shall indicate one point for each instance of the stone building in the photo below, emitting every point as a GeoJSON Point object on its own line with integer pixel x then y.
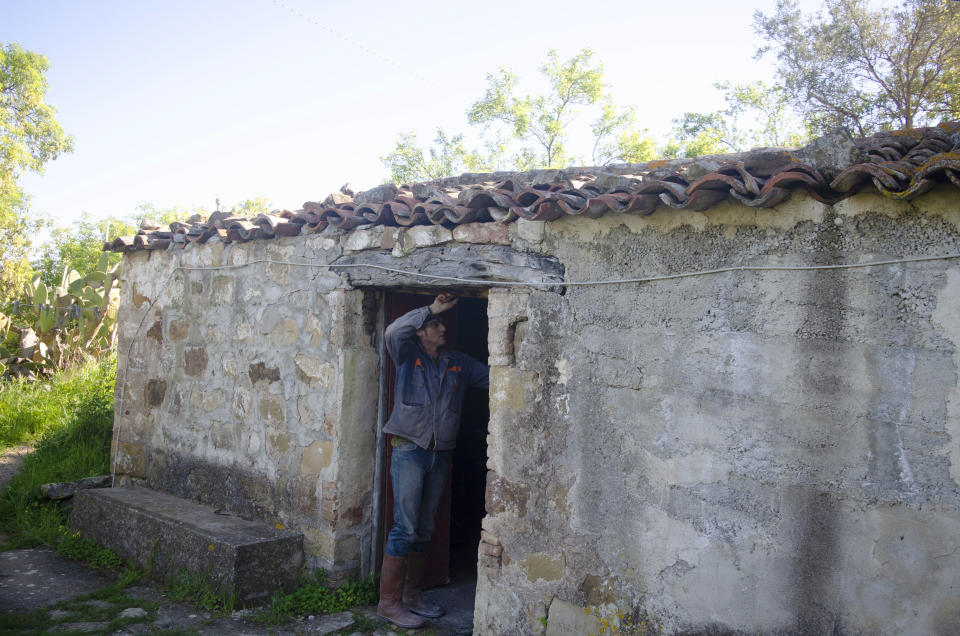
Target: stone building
{"type": "Point", "coordinates": [724, 392]}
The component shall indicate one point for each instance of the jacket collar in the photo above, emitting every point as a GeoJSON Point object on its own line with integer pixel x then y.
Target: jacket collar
{"type": "Point", "coordinates": [442, 354]}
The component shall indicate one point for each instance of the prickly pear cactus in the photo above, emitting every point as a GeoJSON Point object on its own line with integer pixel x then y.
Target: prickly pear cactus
{"type": "Point", "coordinates": [74, 320]}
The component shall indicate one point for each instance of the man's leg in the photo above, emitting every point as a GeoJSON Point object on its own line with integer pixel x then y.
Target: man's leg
{"type": "Point", "coordinates": [434, 483]}
{"type": "Point", "coordinates": [407, 472]}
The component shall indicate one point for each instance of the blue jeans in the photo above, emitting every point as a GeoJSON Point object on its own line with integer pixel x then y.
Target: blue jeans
{"type": "Point", "coordinates": [418, 476]}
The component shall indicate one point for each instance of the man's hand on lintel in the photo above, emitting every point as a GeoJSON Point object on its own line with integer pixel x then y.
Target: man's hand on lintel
{"type": "Point", "coordinates": [442, 303]}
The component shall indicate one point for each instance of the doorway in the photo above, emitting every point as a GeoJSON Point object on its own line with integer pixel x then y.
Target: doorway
{"type": "Point", "coordinates": [452, 554]}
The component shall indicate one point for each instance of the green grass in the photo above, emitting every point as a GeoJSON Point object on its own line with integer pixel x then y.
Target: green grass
{"type": "Point", "coordinates": [31, 411]}
{"type": "Point", "coordinates": [70, 419]}
{"type": "Point", "coordinates": [313, 597]}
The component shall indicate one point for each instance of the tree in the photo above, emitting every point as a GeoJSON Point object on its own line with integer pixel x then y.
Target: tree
{"type": "Point", "coordinates": [408, 163]}
{"type": "Point", "coordinates": [616, 139]}
{"type": "Point", "coordinates": [29, 137]}
{"type": "Point", "coordinates": [867, 68]}
{"type": "Point", "coordinates": [80, 247]}
{"type": "Point", "coordinates": [542, 119]}
{"type": "Point", "coordinates": [252, 207]}
{"type": "Point", "coordinates": [165, 216]}
{"type": "Point", "coordinates": [756, 115]}
{"type": "Point", "coordinates": [529, 131]}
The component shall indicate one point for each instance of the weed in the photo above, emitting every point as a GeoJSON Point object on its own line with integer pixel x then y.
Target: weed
{"type": "Point", "coordinates": [199, 590]}
{"type": "Point", "coordinates": [152, 559]}
{"type": "Point", "coordinates": [312, 596]}
{"type": "Point", "coordinates": [75, 547]}
{"type": "Point", "coordinates": [364, 624]}
{"type": "Point", "coordinates": [23, 623]}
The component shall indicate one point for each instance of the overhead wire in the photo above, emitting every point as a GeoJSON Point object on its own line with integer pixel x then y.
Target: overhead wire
{"type": "Point", "coordinates": [366, 49]}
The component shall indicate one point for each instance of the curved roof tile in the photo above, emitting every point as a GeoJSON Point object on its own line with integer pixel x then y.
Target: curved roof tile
{"type": "Point", "coordinates": [898, 165]}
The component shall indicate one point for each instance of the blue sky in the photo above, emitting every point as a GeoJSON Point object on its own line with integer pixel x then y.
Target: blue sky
{"type": "Point", "coordinates": [177, 103]}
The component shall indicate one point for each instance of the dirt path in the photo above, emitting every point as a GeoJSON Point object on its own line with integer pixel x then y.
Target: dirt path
{"type": "Point", "coordinates": [11, 460]}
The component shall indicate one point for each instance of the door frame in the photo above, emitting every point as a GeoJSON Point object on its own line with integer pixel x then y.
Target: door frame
{"type": "Point", "coordinates": [380, 524]}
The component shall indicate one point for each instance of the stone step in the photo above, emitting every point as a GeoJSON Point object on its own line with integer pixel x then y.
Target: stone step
{"type": "Point", "coordinates": [247, 559]}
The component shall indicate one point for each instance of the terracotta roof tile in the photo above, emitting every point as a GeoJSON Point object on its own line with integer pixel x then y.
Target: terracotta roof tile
{"type": "Point", "coordinates": [898, 165]}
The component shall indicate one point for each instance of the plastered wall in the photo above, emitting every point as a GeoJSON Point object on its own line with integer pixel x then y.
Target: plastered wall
{"type": "Point", "coordinates": [745, 452]}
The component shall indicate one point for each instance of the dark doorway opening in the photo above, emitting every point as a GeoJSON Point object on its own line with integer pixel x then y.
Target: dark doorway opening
{"type": "Point", "coordinates": [452, 554]}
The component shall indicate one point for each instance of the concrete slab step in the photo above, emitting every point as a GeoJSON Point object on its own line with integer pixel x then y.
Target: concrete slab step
{"type": "Point", "coordinates": [249, 559]}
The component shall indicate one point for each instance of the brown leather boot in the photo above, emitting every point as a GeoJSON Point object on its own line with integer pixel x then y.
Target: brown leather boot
{"type": "Point", "coordinates": [391, 591]}
{"type": "Point", "coordinates": [413, 585]}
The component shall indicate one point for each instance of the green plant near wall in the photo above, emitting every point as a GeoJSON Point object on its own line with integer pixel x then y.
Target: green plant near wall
{"type": "Point", "coordinates": [313, 596]}
{"type": "Point", "coordinates": [59, 326]}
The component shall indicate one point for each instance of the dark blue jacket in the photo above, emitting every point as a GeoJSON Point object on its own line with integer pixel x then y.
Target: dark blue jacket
{"type": "Point", "coordinates": [428, 394]}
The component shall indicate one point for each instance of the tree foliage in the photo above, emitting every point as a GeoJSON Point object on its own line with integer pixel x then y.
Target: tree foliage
{"type": "Point", "coordinates": [864, 67]}
{"type": "Point", "coordinates": [756, 114]}
{"type": "Point", "coordinates": [542, 120]}
{"type": "Point", "coordinates": [525, 131]}
{"type": "Point", "coordinates": [616, 137]}
{"type": "Point", "coordinates": [80, 246]}
{"type": "Point", "coordinates": [409, 163]}
{"type": "Point", "coordinates": [252, 207]}
{"type": "Point", "coordinates": [29, 137]}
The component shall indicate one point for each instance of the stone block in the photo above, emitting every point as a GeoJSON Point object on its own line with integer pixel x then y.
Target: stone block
{"type": "Point", "coordinates": [179, 329]}
{"type": "Point", "coordinates": [421, 236]}
{"type": "Point", "coordinates": [486, 537]}
{"type": "Point", "coordinates": [154, 392]}
{"type": "Point", "coordinates": [485, 233]}
{"type": "Point", "coordinates": [195, 361]}
{"type": "Point", "coordinates": [566, 618]}
{"type": "Point", "coordinates": [491, 550]}
{"type": "Point", "coordinates": [358, 240]}
{"type": "Point", "coordinates": [131, 459]}
{"type": "Point", "coordinates": [503, 495]}
{"type": "Point", "coordinates": [316, 457]}
{"type": "Point", "coordinates": [272, 409]}
{"type": "Point", "coordinates": [222, 290]}
{"type": "Point", "coordinates": [285, 333]}
{"type": "Point", "coordinates": [206, 400]}
{"type": "Point", "coordinates": [138, 298]}
{"type": "Point", "coordinates": [311, 371]}
{"type": "Point", "coordinates": [155, 332]}
{"type": "Point", "coordinates": [538, 566]}
{"type": "Point", "coordinates": [390, 237]}
{"type": "Point", "coordinates": [250, 559]}
{"type": "Point", "coordinates": [260, 371]}
{"type": "Point", "coordinates": [530, 231]}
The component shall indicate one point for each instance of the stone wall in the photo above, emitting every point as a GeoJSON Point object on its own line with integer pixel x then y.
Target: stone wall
{"type": "Point", "coordinates": [248, 374]}
{"type": "Point", "coordinates": [750, 451]}
{"type": "Point", "coordinates": [743, 452]}
{"type": "Point", "coordinates": [252, 387]}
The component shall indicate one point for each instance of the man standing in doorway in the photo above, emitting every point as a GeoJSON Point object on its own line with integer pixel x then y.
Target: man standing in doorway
{"type": "Point", "coordinates": [431, 383]}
